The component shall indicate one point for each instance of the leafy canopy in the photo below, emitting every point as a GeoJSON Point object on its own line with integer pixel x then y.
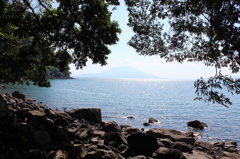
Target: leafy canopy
{"type": "Point", "coordinates": [54, 73]}
{"type": "Point", "coordinates": [35, 34]}
{"type": "Point", "coordinates": [198, 30]}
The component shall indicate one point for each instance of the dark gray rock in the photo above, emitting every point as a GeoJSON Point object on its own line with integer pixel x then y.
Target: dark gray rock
{"type": "Point", "coordinates": [108, 126]}
{"type": "Point", "coordinates": [115, 139]}
{"type": "Point", "coordinates": [168, 153]}
{"type": "Point", "coordinates": [90, 114]}
{"type": "Point", "coordinates": [209, 148]}
{"type": "Point", "coordinates": [182, 146]}
{"type": "Point", "coordinates": [174, 135]}
{"type": "Point", "coordinates": [83, 134]}
{"type": "Point", "coordinates": [19, 95]}
{"type": "Point", "coordinates": [229, 155]}
{"type": "Point", "coordinates": [152, 120]}
{"type": "Point", "coordinates": [166, 142]}
{"type": "Point", "coordinates": [62, 122]}
{"type": "Point", "coordinates": [3, 108]}
{"type": "Point", "coordinates": [197, 124]}
{"type": "Point", "coordinates": [131, 117]}
{"type": "Point", "coordinates": [232, 143]}
{"type": "Point", "coordinates": [50, 113]}
{"type": "Point", "coordinates": [40, 138]}
{"type": "Point", "coordinates": [142, 144]}
{"type": "Point", "coordinates": [57, 134]}
{"type": "Point", "coordinates": [231, 146]}
{"type": "Point", "coordinates": [64, 115]}
{"type": "Point", "coordinates": [146, 124]}
{"type": "Point", "coordinates": [132, 130]}
{"type": "Point", "coordinates": [219, 144]}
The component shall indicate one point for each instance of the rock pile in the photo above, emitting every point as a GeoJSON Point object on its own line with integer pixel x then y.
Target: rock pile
{"type": "Point", "coordinates": [30, 130]}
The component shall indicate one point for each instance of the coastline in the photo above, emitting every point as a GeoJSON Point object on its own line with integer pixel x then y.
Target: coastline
{"type": "Point", "coordinates": [81, 133]}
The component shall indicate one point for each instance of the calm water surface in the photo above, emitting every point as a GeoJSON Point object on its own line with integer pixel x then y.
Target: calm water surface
{"type": "Point", "coordinates": [169, 101]}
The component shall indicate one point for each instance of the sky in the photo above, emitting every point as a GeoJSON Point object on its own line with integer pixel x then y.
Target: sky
{"type": "Point", "coordinates": [124, 55]}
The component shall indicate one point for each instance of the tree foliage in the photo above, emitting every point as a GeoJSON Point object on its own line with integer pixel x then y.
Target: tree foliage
{"type": "Point", "coordinates": [35, 34]}
{"type": "Point", "coordinates": [205, 31]}
{"type": "Point", "coordinates": [54, 73]}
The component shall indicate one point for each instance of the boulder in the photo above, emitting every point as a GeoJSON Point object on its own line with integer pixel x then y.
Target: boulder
{"type": "Point", "coordinates": [62, 122]}
{"type": "Point", "coordinates": [174, 135]}
{"type": "Point", "coordinates": [197, 155]}
{"type": "Point", "coordinates": [146, 124]}
{"type": "Point", "coordinates": [57, 134]}
{"type": "Point", "coordinates": [132, 130]}
{"type": "Point", "coordinates": [168, 153]}
{"type": "Point", "coordinates": [40, 138]}
{"type": "Point", "coordinates": [83, 134]}
{"type": "Point", "coordinates": [2, 86]}
{"type": "Point", "coordinates": [34, 117]}
{"type": "Point", "coordinates": [165, 142]}
{"type": "Point", "coordinates": [131, 117]}
{"type": "Point", "coordinates": [231, 146]}
{"type": "Point", "coordinates": [197, 124]}
{"type": "Point", "coordinates": [182, 146]}
{"type": "Point", "coordinates": [218, 144]}
{"type": "Point", "coordinates": [231, 155]}
{"type": "Point", "coordinates": [50, 113]}
{"type": "Point", "coordinates": [63, 115]}
{"type": "Point", "coordinates": [99, 133]}
{"type": "Point", "coordinates": [19, 95]}
{"type": "Point", "coordinates": [209, 148]}
{"type": "Point", "coordinates": [3, 108]}
{"type": "Point", "coordinates": [152, 120]}
{"type": "Point", "coordinates": [115, 139]}
{"type": "Point", "coordinates": [232, 143]}
{"type": "Point", "coordinates": [90, 114]}
{"type": "Point", "coordinates": [108, 126]}
{"type": "Point", "coordinates": [142, 144]}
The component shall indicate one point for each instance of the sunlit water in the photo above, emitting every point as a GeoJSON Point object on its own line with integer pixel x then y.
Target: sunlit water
{"type": "Point", "coordinates": [169, 101]}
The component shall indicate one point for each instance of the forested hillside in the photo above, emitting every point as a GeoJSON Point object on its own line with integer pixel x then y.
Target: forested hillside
{"type": "Point", "coordinates": [54, 73]}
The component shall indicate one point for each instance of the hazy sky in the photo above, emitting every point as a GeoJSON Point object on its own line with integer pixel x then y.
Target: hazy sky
{"type": "Point", "coordinates": [124, 55]}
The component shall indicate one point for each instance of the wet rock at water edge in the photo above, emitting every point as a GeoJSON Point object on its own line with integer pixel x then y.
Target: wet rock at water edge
{"type": "Point", "coordinates": [171, 134]}
{"type": "Point", "coordinates": [91, 114]}
{"type": "Point", "coordinates": [197, 124]}
{"type": "Point", "coordinates": [152, 120]}
{"type": "Point", "coordinates": [146, 124]}
{"type": "Point", "coordinates": [108, 126]}
{"type": "Point", "coordinates": [131, 117]}
{"type": "Point", "coordinates": [19, 95]}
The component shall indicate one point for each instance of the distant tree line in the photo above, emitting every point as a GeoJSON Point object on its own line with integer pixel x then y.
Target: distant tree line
{"type": "Point", "coordinates": [55, 73]}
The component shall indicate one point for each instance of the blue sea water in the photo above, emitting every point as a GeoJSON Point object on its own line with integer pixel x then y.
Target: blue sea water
{"type": "Point", "coordinates": [169, 101]}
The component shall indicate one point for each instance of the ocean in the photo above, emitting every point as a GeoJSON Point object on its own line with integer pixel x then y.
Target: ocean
{"type": "Point", "coordinates": [171, 102]}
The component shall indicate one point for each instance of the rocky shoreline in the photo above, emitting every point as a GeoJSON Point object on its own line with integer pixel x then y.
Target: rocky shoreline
{"type": "Point", "coordinates": [32, 130]}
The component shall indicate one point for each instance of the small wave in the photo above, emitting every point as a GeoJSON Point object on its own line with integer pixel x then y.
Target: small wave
{"type": "Point", "coordinates": [120, 117]}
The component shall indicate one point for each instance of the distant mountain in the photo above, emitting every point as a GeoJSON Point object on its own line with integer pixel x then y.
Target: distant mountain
{"type": "Point", "coordinates": [120, 72]}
